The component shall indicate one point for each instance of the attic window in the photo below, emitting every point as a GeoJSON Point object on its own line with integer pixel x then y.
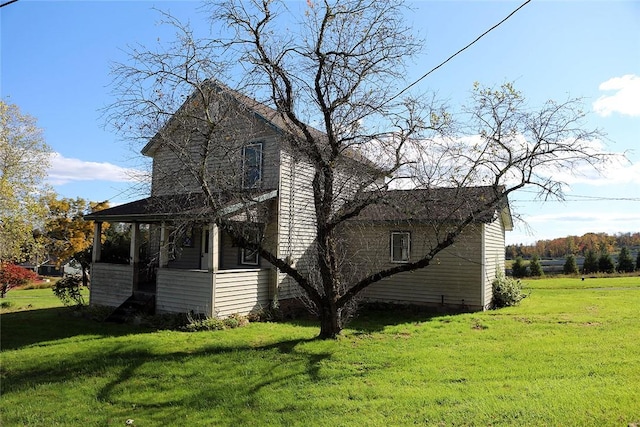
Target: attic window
{"type": "Point", "coordinates": [400, 246]}
{"type": "Point", "coordinates": [252, 165]}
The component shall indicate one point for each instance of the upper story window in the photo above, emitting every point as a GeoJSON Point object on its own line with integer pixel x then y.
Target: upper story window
{"type": "Point", "coordinates": [252, 165]}
{"type": "Point", "coordinates": [400, 246]}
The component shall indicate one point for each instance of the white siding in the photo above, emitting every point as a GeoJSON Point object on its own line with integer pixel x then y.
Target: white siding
{"type": "Point", "coordinates": [241, 291]}
{"type": "Point", "coordinates": [297, 217]}
{"type": "Point", "coordinates": [182, 291]}
{"type": "Point", "coordinates": [454, 277]}
{"type": "Point", "coordinates": [111, 284]}
{"type": "Point", "coordinates": [236, 291]}
{"type": "Point", "coordinates": [297, 222]}
{"type": "Point", "coordinates": [494, 242]}
{"type": "Point", "coordinates": [176, 159]}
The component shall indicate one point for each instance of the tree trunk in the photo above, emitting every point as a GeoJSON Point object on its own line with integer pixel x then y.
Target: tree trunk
{"type": "Point", "coordinates": [330, 322]}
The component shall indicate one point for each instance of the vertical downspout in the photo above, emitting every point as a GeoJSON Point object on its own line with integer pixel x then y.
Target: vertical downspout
{"type": "Point", "coordinates": [483, 292]}
{"type": "Point", "coordinates": [274, 282]}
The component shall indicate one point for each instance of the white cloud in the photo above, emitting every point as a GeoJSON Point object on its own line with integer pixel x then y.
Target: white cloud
{"type": "Point", "coordinates": [64, 170]}
{"type": "Point", "coordinates": [625, 100]}
{"type": "Point", "coordinates": [593, 217]}
{"type": "Point", "coordinates": [439, 160]}
{"type": "Point", "coordinates": [617, 171]}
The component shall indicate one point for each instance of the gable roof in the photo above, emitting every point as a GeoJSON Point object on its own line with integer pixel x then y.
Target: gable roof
{"type": "Point", "coordinates": [270, 116]}
{"type": "Point", "coordinates": [192, 206]}
{"type": "Point", "coordinates": [262, 112]}
{"type": "Point", "coordinates": [440, 204]}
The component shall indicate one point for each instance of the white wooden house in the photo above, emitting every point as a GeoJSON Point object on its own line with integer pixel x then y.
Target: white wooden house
{"type": "Point", "coordinates": [199, 269]}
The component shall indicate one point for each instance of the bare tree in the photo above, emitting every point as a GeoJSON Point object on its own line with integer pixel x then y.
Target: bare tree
{"type": "Point", "coordinates": [335, 65]}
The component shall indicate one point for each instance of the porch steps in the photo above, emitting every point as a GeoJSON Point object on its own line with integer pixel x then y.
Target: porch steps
{"type": "Point", "coordinates": [138, 303]}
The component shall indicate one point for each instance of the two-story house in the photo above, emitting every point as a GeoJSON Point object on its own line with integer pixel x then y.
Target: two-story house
{"type": "Point", "coordinates": [249, 173]}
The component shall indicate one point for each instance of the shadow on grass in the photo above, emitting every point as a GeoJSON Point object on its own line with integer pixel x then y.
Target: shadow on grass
{"type": "Point", "coordinates": [376, 317]}
{"type": "Point", "coordinates": [166, 388]}
{"type": "Point", "coordinates": [24, 328]}
{"type": "Point", "coordinates": [146, 378]}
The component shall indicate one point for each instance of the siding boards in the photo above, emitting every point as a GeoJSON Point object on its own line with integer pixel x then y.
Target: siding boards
{"type": "Point", "coordinates": [236, 291]}
{"type": "Point", "coordinates": [297, 222]}
{"type": "Point", "coordinates": [454, 276]}
{"type": "Point", "coordinates": [176, 160]}
{"type": "Point", "coordinates": [241, 291]}
{"type": "Point", "coordinates": [182, 291]}
{"type": "Point", "coordinates": [494, 241]}
{"type": "Point", "coordinates": [111, 284]}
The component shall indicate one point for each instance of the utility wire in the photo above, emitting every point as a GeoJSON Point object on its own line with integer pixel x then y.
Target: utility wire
{"type": "Point", "coordinates": [459, 51]}
{"type": "Point", "coordinates": [8, 3]}
{"type": "Point", "coordinates": [591, 199]}
{"type": "Point", "coordinates": [580, 198]}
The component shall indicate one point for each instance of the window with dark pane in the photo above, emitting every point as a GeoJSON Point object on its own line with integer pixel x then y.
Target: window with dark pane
{"type": "Point", "coordinates": [252, 165]}
{"type": "Point", "coordinates": [400, 246]}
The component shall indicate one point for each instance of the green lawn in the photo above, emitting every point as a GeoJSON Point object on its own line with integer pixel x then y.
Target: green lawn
{"type": "Point", "coordinates": [31, 299]}
{"type": "Point", "coordinates": [567, 356]}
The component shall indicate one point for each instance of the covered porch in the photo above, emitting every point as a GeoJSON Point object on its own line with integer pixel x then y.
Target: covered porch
{"type": "Point", "coordinates": [194, 268]}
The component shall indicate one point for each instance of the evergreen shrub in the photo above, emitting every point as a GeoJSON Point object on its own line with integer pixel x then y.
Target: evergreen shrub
{"type": "Point", "coordinates": [507, 292]}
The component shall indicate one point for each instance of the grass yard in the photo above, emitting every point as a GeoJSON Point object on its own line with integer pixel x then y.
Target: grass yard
{"type": "Point", "coordinates": [31, 299]}
{"type": "Point", "coordinates": [569, 355]}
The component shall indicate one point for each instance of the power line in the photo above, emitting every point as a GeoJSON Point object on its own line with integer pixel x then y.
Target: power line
{"type": "Point", "coordinates": [579, 198]}
{"type": "Point", "coordinates": [575, 200]}
{"type": "Point", "coordinates": [8, 3]}
{"type": "Point", "coordinates": [459, 51]}
{"type": "Point", "coordinates": [584, 199]}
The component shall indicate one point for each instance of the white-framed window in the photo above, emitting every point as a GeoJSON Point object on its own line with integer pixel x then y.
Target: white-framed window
{"type": "Point", "coordinates": [252, 165]}
{"type": "Point", "coordinates": [400, 246]}
{"type": "Point", "coordinates": [249, 257]}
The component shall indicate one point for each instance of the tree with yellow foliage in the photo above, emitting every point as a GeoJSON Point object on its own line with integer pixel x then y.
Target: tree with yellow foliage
{"type": "Point", "coordinates": [69, 237]}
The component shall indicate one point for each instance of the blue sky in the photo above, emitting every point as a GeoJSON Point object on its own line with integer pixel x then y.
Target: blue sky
{"type": "Point", "coordinates": [55, 59]}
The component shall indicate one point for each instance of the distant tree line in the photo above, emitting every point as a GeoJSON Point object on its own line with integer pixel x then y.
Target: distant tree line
{"type": "Point", "coordinates": [594, 262]}
{"type": "Point", "coordinates": [575, 245]}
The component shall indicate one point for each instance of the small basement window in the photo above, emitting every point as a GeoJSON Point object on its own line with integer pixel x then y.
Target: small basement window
{"type": "Point", "coordinates": [400, 246]}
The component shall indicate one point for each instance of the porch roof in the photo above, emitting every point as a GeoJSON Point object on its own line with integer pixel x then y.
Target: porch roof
{"type": "Point", "coordinates": [181, 206]}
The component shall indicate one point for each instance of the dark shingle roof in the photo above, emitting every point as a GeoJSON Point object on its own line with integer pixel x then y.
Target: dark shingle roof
{"type": "Point", "coordinates": [438, 205]}
{"type": "Point", "coordinates": [192, 206]}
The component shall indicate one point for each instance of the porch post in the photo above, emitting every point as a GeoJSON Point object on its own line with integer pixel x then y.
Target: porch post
{"type": "Point", "coordinates": [97, 242]}
{"type": "Point", "coordinates": [134, 252]}
{"type": "Point", "coordinates": [163, 259]}
{"type": "Point", "coordinates": [214, 255]}
{"type": "Point", "coordinates": [214, 247]}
